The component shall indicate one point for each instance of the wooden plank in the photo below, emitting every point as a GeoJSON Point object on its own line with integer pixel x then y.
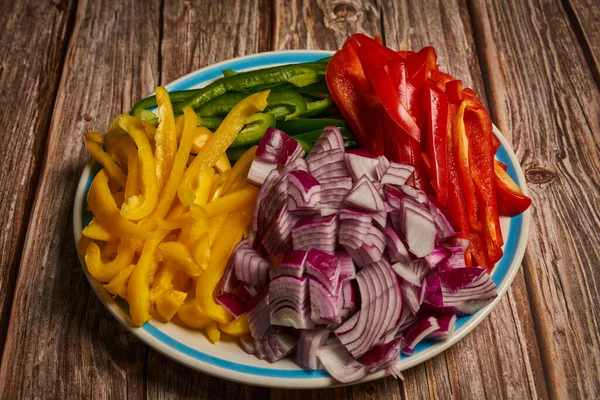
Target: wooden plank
{"type": "Point", "coordinates": [197, 34]}
{"type": "Point", "coordinates": [34, 42]}
{"type": "Point", "coordinates": [585, 17]}
{"type": "Point", "coordinates": [503, 348]}
{"type": "Point", "coordinates": [544, 94]}
{"type": "Point", "coordinates": [61, 342]}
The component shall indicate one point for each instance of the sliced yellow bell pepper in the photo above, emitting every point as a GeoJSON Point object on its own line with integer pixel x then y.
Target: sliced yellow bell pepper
{"type": "Point", "coordinates": [168, 304]}
{"type": "Point", "coordinates": [179, 127]}
{"type": "Point", "coordinates": [138, 288]}
{"type": "Point", "coordinates": [240, 168]}
{"type": "Point", "coordinates": [217, 187]}
{"type": "Point", "coordinates": [138, 207]}
{"type": "Point", "coordinates": [223, 164]}
{"type": "Point", "coordinates": [107, 214]}
{"type": "Point", "coordinates": [191, 315]}
{"type": "Point", "coordinates": [150, 131]}
{"type": "Point", "coordinates": [205, 181]}
{"type": "Point", "coordinates": [212, 330]}
{"type": "Point", "coordinates": [165, 140]}
{"type": "Point", "coordinates": [176, 174]}
{"type": "Point", "coordinates": [96, 151]}
{"type": "Point", "coordinates": [180, 256]}
{"type": "Point", "coordinates": [214, 226]}
{"type": "Point", "coordinates": [232, 202]}
{"type": "Point", "coordinates": [133, 184]}
{"type": "Point", "coordinates": [220, 252]}
{"type": "Point", "coordinates": [201, 136]}
{"type": "Point", "coordinates": [105, 272]}
{"type": "Point", "coordinates": [95, 137]}
{"type": "Point", "coordinates": [175, 223]}
{"type": "Point", "coordinates": [163, 280]}
{"type": "Point", "coordinates": [118, 285]}
{"type": "Point", "coordinates": [237, 327]}
{"type": "Point", "coordinates": [201, 250]}
{"type": "Point", "coordinates": [96, 231]}
{"type": "Point", "coordinates": [220, 141]}
{"type": "Point", "coordinates": [82, 245]}
{"type": "Point", "coordinates": [182, 281]}
{"type": "Point", "coordinates": [109, 249]}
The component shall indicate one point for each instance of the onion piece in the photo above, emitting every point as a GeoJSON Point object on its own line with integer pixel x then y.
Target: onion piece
{"type": "Point", "coordinates": [292, 264]}
{"type": "Point", "coordinates": [397, 174]}
{"type": "Point", "coordinates": [232, 303]}
{"type": "Point", "coordinates": [309, 343]}
{"type": "Point", "coordinates": [437, 256]}
{"type": "Point", "coordinates": [364, 196]}
{"type": "Point", "coordinates": [324, 306]}
{"type": "Point", "coordinates": [304, 193]}
{"type": "Point", "coordinates": [418, 230]}
{"type": "Point", "coordinates": [277, 147]}
{"type": "Point", "coordinates": [325, 268]}
{"type": "Point", "coordinates": [299, 164]}
{"type": "Point", "coordinates": [444, 228]}
{"type": "Point", "coordinates": [446, 323]}
{"type": "Point", "coordinates": [247, 344]}
{"type": "Point", "coordinates": [315, 232]}
{"type": "Point", "coordinates": [382, 354]}
{"type": "Point", "coordinates": [419, 331]}
{"type": "Point", "coordinates": [339, 363]}
{"type": "Point", "coordinates": [433, 291]}
{"type": "Point", "coordinates": [411, 296]}
{"type": "Point", "coordinates": [259, 171]}
{"type": "Point", "coordinates": [251, 267]}
{"type": "Point", "coordinates": [347, 268]}
{"type": "Point", "coordinates": [455, 259]}
{"type": "Point", "coordinates": [279, 346]}
{"type": "Point", "coordinates": [407, 273]}
{"type": "Point", "coordinates": [471, 298]}
{"type": "Point", "coordinates": [382, 165]}
{"type": "Point", "coordinates": [397, 250]}
{"type": "Point", "coordinates": [330, 139]}
{"type": "Point", "coordinates": [458, 278]}
{"type": "Point", "coordinates": [289, 302]}
{"type": "Point", "coordinates": [360, 166]}
{"type": "Point", "coordinates": [333, 192]}
{"type": "Point", "coordinates": [259, 315]}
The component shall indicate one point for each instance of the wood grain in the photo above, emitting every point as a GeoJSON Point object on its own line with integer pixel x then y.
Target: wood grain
{"type": "Point", "coordinates": [30, 65]}
{"type": "Point", "coordinates": [194, 36]}
{"type": "Point", "coordinates": [61, 341]}
{"type": "Point", "coordinates": [552, 113]}
{"type": "Point", "coordinates": [585, 16]}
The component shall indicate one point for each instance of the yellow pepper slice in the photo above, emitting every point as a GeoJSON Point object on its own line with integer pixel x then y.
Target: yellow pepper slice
{"type": "Point", "coordinates": [138, 288]}
{"type": "Point", "coordinates": [109, 249]}
{"type": "Point", "coordinates": [212, 330]}
{"type": "Point", "coordinates": [98, 153]}
{"type": "Point", "coordinates": [133, 184]}
{"type": "Point", "coordinates": [118, 285]}
{"type": "Point", "coordinates": [214, 226]}
{"type": "Point", "coordinates": [96, 231]}
{"type": "Point", "coordinates": [175, 223]}
{"type": "Point", "coordinates": [223, 164]}
{"type": "Point", "coordinates": [179, 127]}
{"type": "Point", "coordinates": [165, 140]}
{"type": "Point", "coordinates": [232, 202]}
{"type": "Point", "coordinates": [176, 174]}
{"type": "Point", "coordinates": [168, 304]}
{"type": "Point", "coordinates": [191, 315]}
{"type": "Point", "coordinates": [163, 280]}
{"type": "Point", "coordinates": [138, 207]}
{"type": "Point", "coordinates": [201, 136]}
{"type": "Point", "coordinates": [107, 214]}
{"type": "Point", "coordinates": [220, 252]}
{"type": "Point", "coordinates": [217, 187]}
{"type": "Point", "coordinates": [237, 327]}
{"type": "Point", "coordinates": [105, 272]}
{"type": "Point", "coordinates": [182, 281]}
{"type": "Point", "coordinates": [220, 141]}
{"type": "Point", "coordinates": [205, 180]}
{"type": "Point", "coordinates": [95, 137]}
{"type": "Point", "coordinates": [180, 256]}
{"type": "Point", "coordinates": [82, 245]}
{"type": "Point", "coordinates": [201, 250]}
{"type": "Point", "coordinates": [240, 168]}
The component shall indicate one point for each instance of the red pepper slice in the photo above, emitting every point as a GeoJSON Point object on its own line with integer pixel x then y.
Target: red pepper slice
{"type": "Point", "coordinates": [476, 252]}
{"type": "Point", "coordinates": [511, 200]}
{"type": "Point", "coordinates": [457, 206]}
{"type": "Point", "coordinates": [356, 98]}
{"type": "Point", "coordinates": [454, 91]}
{"type": "Point", "coordinates": [364, 40]}
{"type": "Point", "coordinates": [421, 65]}
{"type": "Point", "coordinates": [435, 105]}
{"type": "Point", "coordinates": [478, 126]}
{"type": "Point", "coordinates": [373, 62]}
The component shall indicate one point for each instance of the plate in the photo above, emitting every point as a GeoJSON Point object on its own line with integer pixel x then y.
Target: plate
{"type": "Point", "coordinates": [225, 359]}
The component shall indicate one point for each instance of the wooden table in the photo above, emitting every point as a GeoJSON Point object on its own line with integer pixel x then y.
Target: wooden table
{"type": "Point", "coordinates": [68, 66]}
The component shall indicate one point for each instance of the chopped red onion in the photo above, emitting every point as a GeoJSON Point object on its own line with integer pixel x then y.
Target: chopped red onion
{"type": "Point", "coordinates": [232, 303]}
{"type": "Point", "coordinates": [304, 193]}
{"type": "Point", "coordinates": [309, 343]}
{"type": "Point", "coordinates": [292, 264]}
{"type": "Point", "coordinates": [364, 196]}
{"type": "Point", "coordinates": [339, 363]}
{"type": "Point", "coordinates": [360, 166]}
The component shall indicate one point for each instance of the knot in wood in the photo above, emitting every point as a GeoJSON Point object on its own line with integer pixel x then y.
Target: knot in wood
{"type": "Point", "coordinates": [539, 175]}
{"type": "Point", "coordinates": [344, 11]}
{"type": "Point", "coordinates": [371, 390]}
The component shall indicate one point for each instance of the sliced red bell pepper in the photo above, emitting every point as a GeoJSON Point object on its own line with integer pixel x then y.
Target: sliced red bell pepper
{"type": "Point", "coordinates": [501, 165]}
{"type": "Point", "coordinates": [478, 127]}
{"type": "Point", "coordinates": [454, 91]}
{"type": "Point", "coordinates": [404, 53]}
{"type": "Point", "coordinates": [356, 98]}
{"type": "Point", "coordinates": [373, 62]}
{"type": "Point", "coordinates": [511, 200]}
{"type": "Point", "coordinates": [421, 65]}
{"type": "Point", "coordinates": [435, 105]}
{"type": "Point", "coordinates": [364, 40]}
{"type": "Point", "coordinates": [457, 206]}
{"type": "Point", "coordinates": [476, 252]}
{"type": "Point", "coordinates": [461, 154]}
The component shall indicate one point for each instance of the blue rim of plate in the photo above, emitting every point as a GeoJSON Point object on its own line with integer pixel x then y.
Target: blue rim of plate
{"type": "Point", "coordinates": [203, 76]}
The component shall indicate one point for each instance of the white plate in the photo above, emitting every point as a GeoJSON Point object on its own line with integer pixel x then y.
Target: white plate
{"type": "Point", "coordinates": [225, 359]}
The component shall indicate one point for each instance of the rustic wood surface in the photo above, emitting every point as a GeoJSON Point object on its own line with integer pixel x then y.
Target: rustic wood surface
{"type": "Point", "coordinates": [67, 67]}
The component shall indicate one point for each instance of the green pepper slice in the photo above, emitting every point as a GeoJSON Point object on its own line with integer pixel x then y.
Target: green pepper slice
{"type": "Point", "coordinates": [302, 125]}
{"type": "Point", "coordinates": [254, 129]}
